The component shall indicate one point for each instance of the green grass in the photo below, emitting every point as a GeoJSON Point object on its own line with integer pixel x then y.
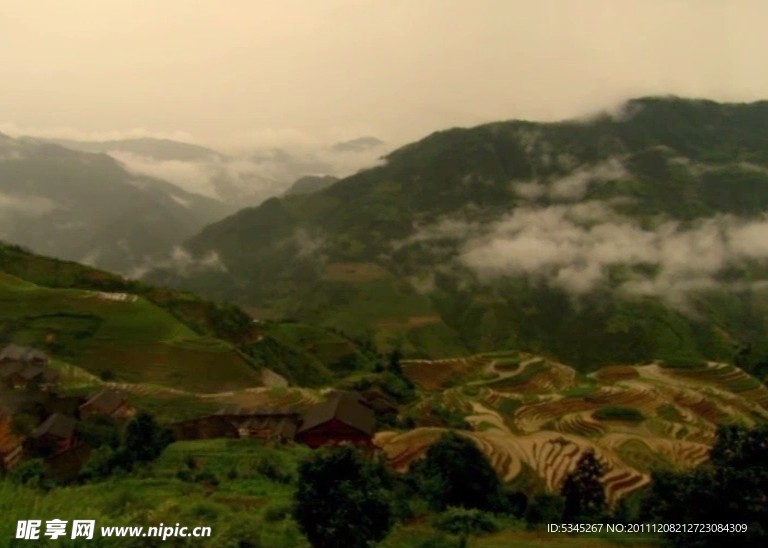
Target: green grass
{"type": "Point", "coordinates": [136, 341]}
{"type": "Point", "coordinates": [531, 371]}
{"type": "Point", "coordinates": [618, 413]}
{"type": "Point", "coordinates": [247, 489]}
{"type": "Point", "coordinates": [641, 457]}
{"type": "Point", "coordinates": [669, 412]}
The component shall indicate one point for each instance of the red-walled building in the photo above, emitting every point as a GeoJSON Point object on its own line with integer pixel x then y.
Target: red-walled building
{"type": "Point", "coordinates": [343, 418]}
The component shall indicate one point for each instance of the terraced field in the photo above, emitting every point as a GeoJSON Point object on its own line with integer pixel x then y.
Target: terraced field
{"type": "Point", "coordinates": [528, 413]}
{"type": "Point", "coordinates": [128, 338]}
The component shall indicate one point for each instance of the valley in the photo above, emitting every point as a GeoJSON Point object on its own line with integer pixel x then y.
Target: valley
{"type": "Point", "coordinates": [531, 287]}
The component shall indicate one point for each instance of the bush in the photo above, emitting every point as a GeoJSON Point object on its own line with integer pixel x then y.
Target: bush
{"type": "Point", "coordinates": [277, 511]}
{"type": "Point", "coordinates": [206, 477]}
{"type": "Point", "coordinates": [270, 466]}
{"type": "Point", "coordinates": [544, 508]}
{"type": "Point", "coordinates": [465, 522]}
{"type": "Point", "coordinates": [32, 473]}
{"type": "Point", "coordinates": [618, 413]}
{"type": "Point", "coordinates": [107, 375]}
{"type": "Point", "coordinates": [243, 532]}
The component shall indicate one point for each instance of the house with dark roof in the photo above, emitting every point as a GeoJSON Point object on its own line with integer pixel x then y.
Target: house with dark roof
{"type": "Point", "coordinates": [343, 418]}
{"type": "Point", "coordinates": [237, 422]}
{"type": "Point", "coordinates": [108, 402]}
{"type": "Point", "coordinates": [270, 427]}
{"type": "Point", "coordinates": [21, 367]}
{"type": "Point", "coordinates": [205, 428]}
{"type": "Point", "coordinates": [23, 354]}
{"type": "Point", "coordinates": [23, 375]}
{"type": "Point", "coordinates": [55, 434]}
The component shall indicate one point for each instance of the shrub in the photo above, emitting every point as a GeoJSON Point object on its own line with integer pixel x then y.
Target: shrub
{"type": "Point", "coordinates": [277, 511]}
{"type": "Point", "coordinates": [465, 522]}
{"type": "Point", "coordinates": [206, 477]}
{"type": "Point", "coordinates": [544, 508]}
{"type": "Point", "coordinates": [270, 466]}
{"type": "Point", "coordinates": [618, 413]}
{"type": "Point", "coordinates": [32, 473]}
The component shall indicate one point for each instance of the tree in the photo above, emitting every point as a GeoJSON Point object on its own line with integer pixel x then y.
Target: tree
{"type": "Point", "coordinates": [98, 430]}
{"type": "Point", "coordinates": [456, 473]}
{"type": "Point", "coordinates": [583, 493]}
{"type": "Point", "coordinates": [343, 499]}
{"type": "Point", "coordinates": [145, 440]}
{"type": "Point", "coordinates": [732, 488]}
{"type": "Point", "coordinates": [394, 362]}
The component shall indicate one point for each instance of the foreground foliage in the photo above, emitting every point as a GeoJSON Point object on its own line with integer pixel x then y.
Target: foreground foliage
{"type": "Point", "coordinates": [343, 499]}
{"type": "Point", "coordinates": [731, 488]}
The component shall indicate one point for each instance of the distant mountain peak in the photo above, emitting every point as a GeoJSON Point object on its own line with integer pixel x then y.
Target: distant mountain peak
{"type": "Point", "coordinates": [358, 145]}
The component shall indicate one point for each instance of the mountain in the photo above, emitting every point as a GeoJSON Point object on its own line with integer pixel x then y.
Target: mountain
{"type": "Point", "coordinates": [310, 184]}
{"type": "Point", "coordinates": [88, 207]}
{"type": "Point", "coordinates": [155, 149]}
{"type": "Point", "coordinates": [617, 239]}
{"type": "Point", "coordinates": [359, 144]}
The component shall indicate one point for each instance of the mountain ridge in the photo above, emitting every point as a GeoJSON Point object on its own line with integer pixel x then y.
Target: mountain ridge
{"type": "Point", "coordinates": [582, 238]}
{"type": "Point", "coordinates": [87, 207]}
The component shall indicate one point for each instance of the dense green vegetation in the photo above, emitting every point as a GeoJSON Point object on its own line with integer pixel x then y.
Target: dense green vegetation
{"type": "Point", "coordinates": [343, 499]}
{"type": "Point", "coordinates": [455, 472]}
{"type": "Point", "coordinates": [367, 254]}
{"type": "Point", "coordinates": [157, 335]}
{"type": "Point", "coordinates": [729, 489]}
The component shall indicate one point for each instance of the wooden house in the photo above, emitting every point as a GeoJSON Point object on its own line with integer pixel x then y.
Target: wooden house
{"type": "Point", "coordinates": [23, 354]}
{"type": "Point", "coordinates": [343, 418]}
{"type": "Point", "coordinates": [107, 402]}
{"type": "Point", "coordinates": [205, 428]}
{"type": "Point", "coordinates": [55, 434]}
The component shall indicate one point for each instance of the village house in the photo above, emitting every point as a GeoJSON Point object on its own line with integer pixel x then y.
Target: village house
{"type": "Point", "coordinates": [22, 367]}
{"type": "Point", "coordinates": [23, 354]}
{"type": "Point", "coordinates": [107, 402]}
{"type": "Point", "coordinates": [56, 434]}
{"type": "Point", "coordinates": [343, 418]}
{"type": "Point", "coordinates": [205, 428]}
{"type": "Point", "coordinates": [265, 424]}
{"type": "Point", "coordinates": [269, 425]}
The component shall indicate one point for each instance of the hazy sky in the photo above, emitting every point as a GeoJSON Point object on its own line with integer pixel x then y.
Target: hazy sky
{"type": "Point", "coordinates": [223, 72]}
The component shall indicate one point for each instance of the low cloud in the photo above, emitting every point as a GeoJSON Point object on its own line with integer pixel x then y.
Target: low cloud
{"type": "Point", "coordinates": [26, 205]}
{"type": "Point", "coordinates": [191, 176]}
{"type": "Point", "coordinates": [573, 186]}
{"type": "Point", "coordinates": [308, 244]}
{"type": "Point", "coordinates": [250, 179]}
{"type": "Point", "coordinates": [182, 263]}
{"type": "Point", "coordinates": [576, 246]}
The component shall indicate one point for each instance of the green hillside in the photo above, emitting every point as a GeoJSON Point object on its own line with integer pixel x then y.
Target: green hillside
{"type": "Point", "coordinates": [127, 331]}
{"type": "Point", "coordinates": [88, 207]}
{"type": "Point", "coordinates": [521, 234]}
{"type": "Point", "coordinates": [134, 341]}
